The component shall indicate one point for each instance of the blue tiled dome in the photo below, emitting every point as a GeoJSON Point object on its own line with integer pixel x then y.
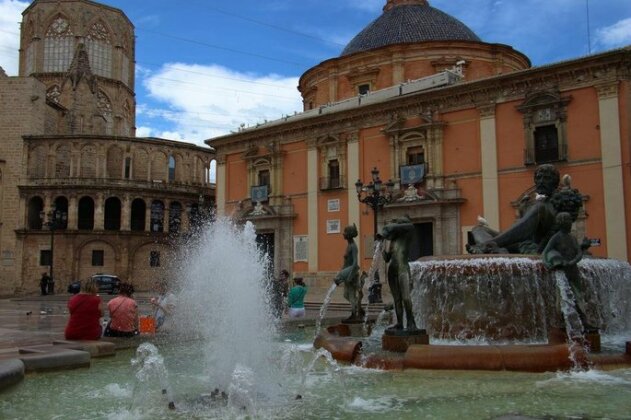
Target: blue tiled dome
{"type": "Point", "coordinates": [409, 23]}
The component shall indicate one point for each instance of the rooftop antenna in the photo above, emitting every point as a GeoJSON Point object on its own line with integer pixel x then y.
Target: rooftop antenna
{"type": "Point", "coordinates": [589, 38]}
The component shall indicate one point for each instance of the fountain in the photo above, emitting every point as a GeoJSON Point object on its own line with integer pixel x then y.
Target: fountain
{"type": "Point", "coordinates": [231, 359]}
{"type": "Point", "coordinates": [509, 305]}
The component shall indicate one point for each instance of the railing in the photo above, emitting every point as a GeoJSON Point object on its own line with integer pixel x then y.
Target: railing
{"type": "Point", "coordinates": [534, 156]}
{"type": "Point", "coordinates": [117, 182]}
{"type": "Point", "coordinates": [328, 183]}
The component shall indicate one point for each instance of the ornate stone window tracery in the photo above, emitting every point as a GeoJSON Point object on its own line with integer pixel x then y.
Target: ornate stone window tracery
{"type": "Point", "coordinates": [98, 44]}
{"type": "Point", "coordinates": [545, 127]}
{"type": "Point", "coordinates": [59, 43]}
{"type": "Point", "coordinates": [105, 108]}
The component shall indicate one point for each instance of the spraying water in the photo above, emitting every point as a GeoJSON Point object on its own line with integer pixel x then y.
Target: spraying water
{"type": "Point", "coordinates": [224, 300]}
{"type": "Point", "coordinates": [323, 308]}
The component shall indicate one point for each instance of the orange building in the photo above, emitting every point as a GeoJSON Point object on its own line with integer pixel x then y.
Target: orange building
{"type": "Point", "coordinates": [456, 123]}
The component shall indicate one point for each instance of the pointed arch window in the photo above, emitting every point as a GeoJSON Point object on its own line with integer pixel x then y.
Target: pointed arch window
{"type": "Point", "coordinates": [59, 43]}
{"type": "Point", "coordinates": [99, 48]}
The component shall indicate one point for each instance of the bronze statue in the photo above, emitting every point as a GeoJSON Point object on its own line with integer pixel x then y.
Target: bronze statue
{"type": "Point", "coordinates": [533, 229]}
{"type": "Point", "coordinates": [399, 233]}
{"type": "Point", "coordinates": [349, 275]}
{"type": "Point", "coordinates": [563, 252]}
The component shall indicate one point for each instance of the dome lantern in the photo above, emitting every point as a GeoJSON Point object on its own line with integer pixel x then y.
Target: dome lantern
{"type": "Point", "coordinates": [394, 3]}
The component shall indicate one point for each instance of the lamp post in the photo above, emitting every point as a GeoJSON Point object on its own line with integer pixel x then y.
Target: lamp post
{"type": "Point", "coordinates": [56, 219]}
{"type": "Point", "coordinates": [374, 194]}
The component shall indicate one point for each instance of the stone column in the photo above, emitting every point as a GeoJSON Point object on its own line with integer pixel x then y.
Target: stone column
{"type": "Point", "coordinates": [148, 216]}
{"type": "Point", "coordinates": [312, 205]}
{"type": "Point", "coordinates": [99, 213]}
{"type": "Point", "coordinates": [126, 213]}
{"type": "Point", "coordinates": [166, 214]}
{"type": "Point", "coordinates": [488, 146]}
{"type": "Point", "coordinates": [613, 188]}
{"type": "Point", "coordinates": [73, 213]}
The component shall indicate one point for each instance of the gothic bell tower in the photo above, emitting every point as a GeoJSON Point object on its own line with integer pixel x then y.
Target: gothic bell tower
{"type": "Point", "coordinates": [84, 52]}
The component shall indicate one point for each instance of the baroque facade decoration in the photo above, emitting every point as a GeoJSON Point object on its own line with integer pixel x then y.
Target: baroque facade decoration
{"type": "Point", "coordinates": [79, 191]}
{"type": "Point", "coordinates": [463, 121]}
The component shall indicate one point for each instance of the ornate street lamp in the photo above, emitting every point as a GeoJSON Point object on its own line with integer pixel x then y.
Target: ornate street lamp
{"type": "Point", "coordinates": [374, 194]}
{"type": "Point", "coordinates": [55, 219]}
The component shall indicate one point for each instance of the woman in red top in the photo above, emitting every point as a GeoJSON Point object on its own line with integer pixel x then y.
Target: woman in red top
{"type": "Point", "coordinates": [85, 312]}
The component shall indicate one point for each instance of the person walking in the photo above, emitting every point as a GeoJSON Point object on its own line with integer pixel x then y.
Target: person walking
{"type": "Point", "coordinates": [296, 299]}
{"type": "Point", "coordinates": [123, 311]}
{"type": "Point", "coordinates": [43, 283]}
{"type": "Point", "coordinates": [85, 310]}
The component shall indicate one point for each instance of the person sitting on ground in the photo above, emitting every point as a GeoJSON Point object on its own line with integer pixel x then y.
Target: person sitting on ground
{"type": "Point", "coordinates": [164, 305]}
{"type": "Point", "coordinates": [296, 299]}
{"type": "Point", "coordinates": [85, 310]}
{"type": "Point", "coordinates": [123, 311]}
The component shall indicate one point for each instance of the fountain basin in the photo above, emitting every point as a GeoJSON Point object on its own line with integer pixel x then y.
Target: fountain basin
{"type": "Point", "coordinates": [510, 298]}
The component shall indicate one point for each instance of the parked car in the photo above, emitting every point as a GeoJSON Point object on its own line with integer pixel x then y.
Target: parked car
{"type": "Point", "coordinates": [107, 283]}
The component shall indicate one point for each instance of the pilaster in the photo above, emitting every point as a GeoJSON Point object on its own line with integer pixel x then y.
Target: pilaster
{"type": "Point", "coordinates": [490, 185]}
{"type": "Point", "coordinates": [615, 222]}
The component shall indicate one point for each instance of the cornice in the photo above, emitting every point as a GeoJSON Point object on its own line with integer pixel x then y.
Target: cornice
{"type": "Point", "coordinates": [599, 70]}
{"type": "Point", "coordinates": [154, 141]}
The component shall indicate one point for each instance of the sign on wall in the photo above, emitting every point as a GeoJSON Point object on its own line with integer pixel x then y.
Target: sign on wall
{"type": "Point", "coordinates": [412, 174]}
{"type": "Point", "coordinates": [333, 205]}
{"type": "Point", "coordinates": [301, 248]}
{"type": "Point", "coordinates": [333, 226]}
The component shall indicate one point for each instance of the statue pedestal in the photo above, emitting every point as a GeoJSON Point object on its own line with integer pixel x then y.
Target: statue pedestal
{"type": "Point", "coordinates": [399, 340]}
{"type": "Point", "coordinates": [592, 339]}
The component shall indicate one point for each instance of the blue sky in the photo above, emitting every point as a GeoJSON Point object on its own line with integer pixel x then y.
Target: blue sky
{"type": "Point", "coordinates": [206, 66]}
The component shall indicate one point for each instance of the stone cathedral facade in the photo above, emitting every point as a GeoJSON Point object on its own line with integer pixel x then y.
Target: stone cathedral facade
{"type": "Point", "coordinates": [78, 190]}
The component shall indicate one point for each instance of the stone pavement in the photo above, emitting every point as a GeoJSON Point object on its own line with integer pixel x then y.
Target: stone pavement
{"type": "Point", "coordinates": [32, 334]}
{"type": "Point", "coordinates": [34, 320]}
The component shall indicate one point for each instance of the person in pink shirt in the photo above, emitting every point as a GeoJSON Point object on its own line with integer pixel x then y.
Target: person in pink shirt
{"type": "Point", "coordinates": [123, 311]}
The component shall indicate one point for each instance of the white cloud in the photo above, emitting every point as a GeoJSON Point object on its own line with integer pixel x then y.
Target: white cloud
{"type": "Point", "coordinates": [616, 35]}
{"type": "Point", "coordinates": [198, 102]}
{"type": "Point", "coordinates": [10, 17]}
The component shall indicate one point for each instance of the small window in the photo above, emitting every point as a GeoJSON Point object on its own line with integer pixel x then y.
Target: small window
{"type": "Point", "coordinates": [154, 259]}
{"type": "Point", "coordinates": [44, 257]}
{"type": "Point", "coordinates": [264, 177]}
{"type": "Point", "coordinates": [546, 144]}
{"type": "Point", "coordinates": [334, 174]}
{"type": "Point", "coordinates": [363, 89]}
{"type": "Point", "coordinates": [98, 256]}
{"type": "Point", "coordinates": [127, 168]}
{"type": "Point", "coordinates": [416, 155]}
{"type": "Point", "coordinates": [171, 169]}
